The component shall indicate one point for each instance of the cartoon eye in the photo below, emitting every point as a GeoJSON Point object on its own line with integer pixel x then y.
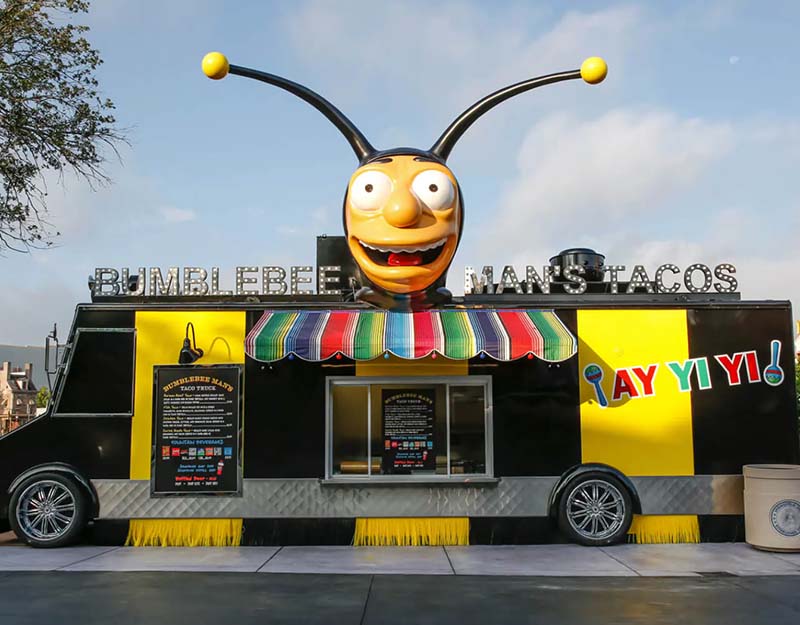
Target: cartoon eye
{"type": "Point", "coordinates": [434, 189]}
{"type": "Point", "coordinates": [370, 190]}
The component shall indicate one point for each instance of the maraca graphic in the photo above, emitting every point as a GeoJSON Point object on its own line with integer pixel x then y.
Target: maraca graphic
{"type": "Point", "coordinates": [594, 375]}
{"type": "Point", "coordinates": [773, 374]}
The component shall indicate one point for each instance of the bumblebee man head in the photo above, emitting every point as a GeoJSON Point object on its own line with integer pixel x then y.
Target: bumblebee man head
{"type": "Point", "coordinates": [403, 211]}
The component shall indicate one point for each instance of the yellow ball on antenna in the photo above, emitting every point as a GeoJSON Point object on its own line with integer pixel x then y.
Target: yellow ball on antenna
{"type": "Point", "coordinates": [594, 70]}
{"type": "Point", "coordinates": [215, 65]}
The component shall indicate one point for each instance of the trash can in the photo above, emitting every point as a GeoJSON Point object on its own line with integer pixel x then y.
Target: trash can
{"type": "Point", "coordinates": [772, 506]}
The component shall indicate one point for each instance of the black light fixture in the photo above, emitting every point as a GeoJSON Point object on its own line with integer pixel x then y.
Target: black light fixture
{"type": "Point", "coordinates": [189, 352]}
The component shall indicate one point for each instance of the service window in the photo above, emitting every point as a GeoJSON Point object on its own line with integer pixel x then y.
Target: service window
{"type": "Point", "coordinates": [411, 427]}
{"type": "Point", "coordinates": [99, 374]}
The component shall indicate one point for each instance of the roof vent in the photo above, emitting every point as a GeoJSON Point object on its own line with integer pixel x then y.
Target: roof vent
{"type": "Point", "coordinates": [591, 261]}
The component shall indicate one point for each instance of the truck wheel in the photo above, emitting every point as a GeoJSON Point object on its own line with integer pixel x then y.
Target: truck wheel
{"type": "Point", "coordinates": [48, 510]}
{"type": "Point", "coordinates": [595, 509]}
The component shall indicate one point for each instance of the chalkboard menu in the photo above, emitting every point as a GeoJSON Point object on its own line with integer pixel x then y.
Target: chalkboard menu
{"type": "Point", "coordinates": [196, 430]}
{"type": "Point", "coordinates": [408, 425]}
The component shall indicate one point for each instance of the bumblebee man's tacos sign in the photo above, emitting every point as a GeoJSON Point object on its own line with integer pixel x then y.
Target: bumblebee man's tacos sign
{"type": "Point", "coordinates": [403, 211]}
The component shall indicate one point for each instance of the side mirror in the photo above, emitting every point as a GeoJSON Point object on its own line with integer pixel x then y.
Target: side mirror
{"type": "Point", "coordinates": [51, 355]}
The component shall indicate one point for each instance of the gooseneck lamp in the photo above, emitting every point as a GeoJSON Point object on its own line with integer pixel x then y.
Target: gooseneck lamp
{"type": "Point", "coordinates": [189, 352]}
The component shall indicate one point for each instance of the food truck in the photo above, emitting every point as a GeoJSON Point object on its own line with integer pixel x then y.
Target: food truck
{"type": "Point", "coordinates": [381, 409]}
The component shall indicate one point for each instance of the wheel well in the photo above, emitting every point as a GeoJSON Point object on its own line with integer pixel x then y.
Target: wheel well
{"type": "Point", "coordinates": [64, 469]}
{"type": "Point", "coordinates": [580, 469]}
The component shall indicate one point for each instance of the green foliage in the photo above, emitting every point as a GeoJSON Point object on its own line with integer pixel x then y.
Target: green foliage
{"type": "Point", "coordinates": [42, 397]}
{"type": "Point", "coordinates": [52, 118]}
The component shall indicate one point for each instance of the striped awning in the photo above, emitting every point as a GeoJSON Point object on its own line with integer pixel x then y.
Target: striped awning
{"type": "Point", "coordinates": [366, 334]}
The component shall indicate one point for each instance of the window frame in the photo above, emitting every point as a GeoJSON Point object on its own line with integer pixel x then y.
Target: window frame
{"type": "Point", "coordinates": [56, 401]}
{"type": "Point", "coordinates": [483, 381]}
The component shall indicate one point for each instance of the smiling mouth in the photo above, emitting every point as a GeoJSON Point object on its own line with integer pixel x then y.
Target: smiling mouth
{"type": "Point", "coordinates": [403, 255]}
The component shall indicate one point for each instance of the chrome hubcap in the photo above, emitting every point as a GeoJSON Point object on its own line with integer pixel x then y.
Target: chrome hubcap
{"type": "Point", "coordinates": [46, 510]}
{"type": "Point", "coordinates": [595, 509]}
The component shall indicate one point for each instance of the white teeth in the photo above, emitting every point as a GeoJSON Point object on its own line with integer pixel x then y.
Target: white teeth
{"type": "Point", "coordinates": [407, 248]}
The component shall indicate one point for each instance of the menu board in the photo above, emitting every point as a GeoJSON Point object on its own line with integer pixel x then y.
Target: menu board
{"type": "Point", "coordinates": [408, 425]}
{"type": "Point", "coordinates": [196, 430]}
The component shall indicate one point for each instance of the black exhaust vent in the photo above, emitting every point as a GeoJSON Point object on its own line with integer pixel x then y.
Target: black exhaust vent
{"type": "Point", "coordinates": [591, 261]}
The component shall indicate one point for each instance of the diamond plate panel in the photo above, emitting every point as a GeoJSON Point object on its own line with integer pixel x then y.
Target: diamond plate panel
{"type": "Point", "coordinates": [121, 499]}
{"type": "Point", "coordinates": [303, 498]}
{"type": "Point", "coordinates": [690, 494]}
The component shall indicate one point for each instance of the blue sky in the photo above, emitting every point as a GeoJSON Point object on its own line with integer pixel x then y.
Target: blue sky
{"type": "Point", "coordinates": [688, 152]}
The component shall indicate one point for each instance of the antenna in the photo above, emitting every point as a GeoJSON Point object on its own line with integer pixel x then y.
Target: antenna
{"type": "Point", "coordinates": [216, 67]}
{"type": "Point", "coordinates": [593, 71]}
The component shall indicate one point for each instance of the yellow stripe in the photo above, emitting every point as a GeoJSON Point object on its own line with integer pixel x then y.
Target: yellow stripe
{"type": "Point", "coordinates": [664, 528]}
{"type": "Point", "coordinates": [159, 338]}
{"type": "Point", "coordinates": [566, 342]}
{"type": "Point", "coordinates": [648, 435]}
{"type": "Point", "coordinates": [400, 367]}
{"type": "Point", "coordinates": [184, 533]}
{"type": "Point", "coordinates": [412, 531]}
{"type": "Point", "coordinates": [279, 338]}
{"type": "Point", "coordinates": [468, 333]}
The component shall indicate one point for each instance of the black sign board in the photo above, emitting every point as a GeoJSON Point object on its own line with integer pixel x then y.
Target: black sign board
{"type": "Point", "coordinates": [408, 425]}
{"type": "Point", "coordinates": [196, 430]}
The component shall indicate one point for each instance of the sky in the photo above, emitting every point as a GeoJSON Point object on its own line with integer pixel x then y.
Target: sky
{"type": "Point", "coordinates": [688, 152]}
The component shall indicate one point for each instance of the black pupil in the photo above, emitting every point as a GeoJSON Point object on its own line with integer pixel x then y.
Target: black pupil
{"type": "Point", "coordinates": [433, 188]}
{"type": "Point", "coordinates": [368, 188]}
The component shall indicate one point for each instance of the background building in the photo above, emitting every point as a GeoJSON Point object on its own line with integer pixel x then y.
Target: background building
{"type": "Point", "coordinates": [17, 396]}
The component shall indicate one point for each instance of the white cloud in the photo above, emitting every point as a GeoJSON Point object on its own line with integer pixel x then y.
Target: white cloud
{"type": "Point", "coordinates": [777, 134]}
{"type": "Point", "coordinates": [609, 182]}
{"type": "Point", "coordinates": [447, 53]}
{"type": "Point", "coordinates": [572, 171]}
{"type": "Point", "coordinates": [173, 214]}
{"type": "Point", "coordinates": [767, 276]}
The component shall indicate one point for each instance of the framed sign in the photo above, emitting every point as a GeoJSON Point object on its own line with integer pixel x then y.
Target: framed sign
{"type": "Point", "coordinates": [408, 427]}
{"type": "Point", "coordinates": [196, 430]}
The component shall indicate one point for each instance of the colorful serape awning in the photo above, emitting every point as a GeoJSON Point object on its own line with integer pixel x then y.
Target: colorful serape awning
{"type": "Point", "coordinates": [366, 334]}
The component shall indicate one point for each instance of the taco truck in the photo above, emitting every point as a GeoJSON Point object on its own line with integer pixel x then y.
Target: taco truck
{"type": "Point", "coordinates": [382, 409]}
{"type": "Point", "coordinates": [494, 416]}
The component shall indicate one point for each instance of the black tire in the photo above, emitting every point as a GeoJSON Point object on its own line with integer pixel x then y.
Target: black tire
{"type": "Point", "coordinates": [48, 510]}
{"type": "Point", "coordinates": [601, 502]}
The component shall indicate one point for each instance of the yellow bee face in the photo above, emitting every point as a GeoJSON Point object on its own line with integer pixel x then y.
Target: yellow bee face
{"type": "Point", "coordinates": [403, 220]}
{"type": "Point", "coordinates": [403, 211]}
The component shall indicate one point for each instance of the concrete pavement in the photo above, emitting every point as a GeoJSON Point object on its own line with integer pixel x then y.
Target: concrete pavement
{"type": "Point", "coordinates": [716, 584]}
{"type": "Point", "coordinates": [482, 560]}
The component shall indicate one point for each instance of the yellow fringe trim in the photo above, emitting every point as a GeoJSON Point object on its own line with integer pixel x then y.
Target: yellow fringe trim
{"type": "Point", "coordinates": [664, 528]}
{"type": "Point", "coordinates": [184, 533]}
{"type": "Point", "coordinates": [412, 531]}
